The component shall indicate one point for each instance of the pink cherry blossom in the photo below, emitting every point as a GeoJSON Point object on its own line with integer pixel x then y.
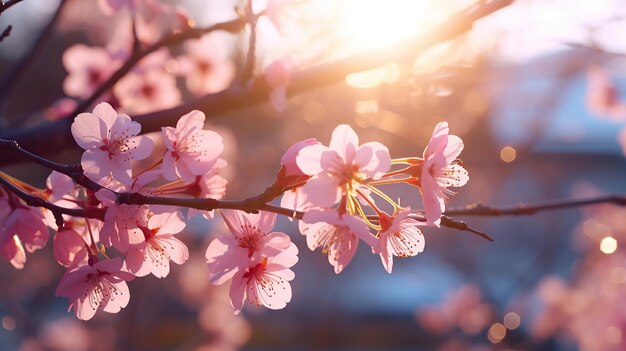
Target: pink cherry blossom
{"type": "Point", "coordinates": [278, 75]}
{"type": "Point", "coordinates": [400, 237]}
{"type": "Point", "coordinates": [295, 199]}
{"type": "Point", "coordinates": [210, 185]}
{"type": "Point", "coordinates": [206, 65]}
{"type": "Point", "coordinates": [87, 67]}
{"type": "Point", "coordinates": [440, 171]}
{"type": "Point", "coordinates": [70, 249]}
{"type": "Point", "coordinates": [191, 150]}
{"type": "Point", "coordinates": [121, 222]}
{"type": "Point", "coordinates": [110, 143]}
{"type": "Point", "coordinates": [288, 161]}
{"type": "Point", "coordinates": [337, 234]}
{"type": "Point", "coordinates": [91, 288]}
{"type": "Point", "coordinates": [27, 223]}
{"type": "Point", "coordinates": [251, 239]}
{"type": "Point", "coordinates": [265, 282]}
{"type": "Point", "coordinates": [340, 168]}
{"type": "Point", "coordinates": [147, 92]}
{"type": "Point", "coordinates": [13, 252]}
{"type": "Point", "coordinates": [153, 252]}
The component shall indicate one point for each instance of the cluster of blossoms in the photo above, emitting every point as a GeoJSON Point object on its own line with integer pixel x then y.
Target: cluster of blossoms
{"type": "Point", "coordinates": [334, 190]}
{"type": "Point", "coordinates": [203, 63]}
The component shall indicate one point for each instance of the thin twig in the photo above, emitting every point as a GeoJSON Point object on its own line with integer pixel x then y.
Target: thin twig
{"type": "Point", "coordinates": [73, 171]}
{"type": "Point", "coordinates": [5, 33]}
{"type": "Point", "coordinates": [480, 209]}
{"type": "Point", "coordinates": [5, 5]}
{"type": "Point", "coordinates": [248, 71]}
{"type": "Point", "coordinates": [54, 136]}
{"type": "Point", "coordinates": [36, 201]}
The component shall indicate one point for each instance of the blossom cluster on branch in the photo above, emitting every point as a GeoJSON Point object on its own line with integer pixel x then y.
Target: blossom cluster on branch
{"type": "Point", "coordinates": [124, 225]}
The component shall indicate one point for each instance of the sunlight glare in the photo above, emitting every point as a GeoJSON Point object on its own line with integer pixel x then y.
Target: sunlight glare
{"type": "Point", "coordinates": [374, 23]}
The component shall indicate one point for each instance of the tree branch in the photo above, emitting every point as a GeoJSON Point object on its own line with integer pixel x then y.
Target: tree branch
{"type": "Point", "coordinates": [6, 5]}
{"type": "Point", "coordinates": [54, 136]}
{"type": "Point", "coordinates": [480, 209]}
{"type": "Point", "coordinates": [36, 201]}
{"type": "Point", "coordinates": [73, 171]}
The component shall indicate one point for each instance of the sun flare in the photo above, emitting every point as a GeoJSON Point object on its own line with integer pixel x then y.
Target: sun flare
{"type": "Point", "coordinates": [375, 23]}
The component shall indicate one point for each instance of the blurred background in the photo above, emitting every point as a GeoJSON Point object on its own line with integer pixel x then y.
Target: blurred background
{"type": "Point", "coordinates": [537, 91]}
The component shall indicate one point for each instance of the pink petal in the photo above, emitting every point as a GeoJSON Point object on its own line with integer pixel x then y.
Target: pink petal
{"type": "Point", "coordinates": [88, 130]}
{"type": "Point", "coordinates": [69, 248]}
{"type": "Point", "coordinates": [107, 114]}
{"type": "Point", "coordinates": [96, 164]}
{"type": "Point", "coordinates": [178, 252]}
{"type": "Point", "coordinates": [120, 298]}
{"type": "Point", "coordinates": [322, 191]}
{"type": "Point", "coordinates": [194, 119]}
{"type": "Point", "coordinates": [438, 141]}
{"type": "Point", "coordinates": [344, 141]}
{"type": "Point", "coordinates": [378, 162]}
{"type": "Point", "coordinates": [274, 292]}
{"type": "Point", "coordinates": [143, 147]}
{"type": "Point", "coordinates": [308, 159]}
{"type": "Point", "coordinates": [135, 262]}
{"type": "Point", "coordinates": [453, 149]}
{"type": "Point", "coordinates": [167, 223]}
{"type": "Point", "coordinates": [433, 200]}
{"type": "Point", "coordinates": [223, 260]}
{"type": "Point", "coordinates": [237, 291]}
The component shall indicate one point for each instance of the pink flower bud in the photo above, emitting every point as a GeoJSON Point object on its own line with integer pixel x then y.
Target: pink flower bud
{"type": "Point", "coordinates": [289, 158]}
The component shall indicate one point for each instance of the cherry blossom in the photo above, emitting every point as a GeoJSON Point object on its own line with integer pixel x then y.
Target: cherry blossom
{"type": "Point", "coordinates": [210, 185]}
{"type": "Point", "coordinates": [121, 222]}
{"type": "Point", "coordinates": [88, 68]}
{"type": "Point", "coordinates": [290, 174]}
{"type": "Point", "coordinates": [341, 167]}
{"type": "Point", "coordinates": [191, 151]}
{"type": "Point", "coordinates": [13, 252]}
{"type": "Point", "coordinates": [278, 75]}
{"type": "Point", "coordinates": [152, 253]}
{"type": "Point", "coordinates": [337, 234]}
{"type": "Point", "coordinates": [399, 236]}
{"type": "Point", "coordinates": [440, 171]}
{"type": "Point", "coordinates": [141, 93]}
{"type": "Point", "coordinates": [206, 66]}
{"type": "Point", "coordinates": [265, 282]}
{"type": "Point", "coordinates": [28, 224]}
{"type": "Point", "coordinates": [70, 249]}
{"type": "Point", "coordinates": [95, 287]}
{"type": "Point", "coordinates": [251, 239]}
{"type": "Point", "coordinates": [110, 143]}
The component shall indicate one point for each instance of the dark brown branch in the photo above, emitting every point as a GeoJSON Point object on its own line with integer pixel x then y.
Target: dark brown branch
{"type": "Point", "coordinates": [480, 209]}
{"type": "Point", "coordinates": [74, 171]}
{"type": "Point", "coordinates": [462, 226]}
{"type": "Point", "coordinates": [54, 136]}
{"type": "Point", "coordinates": [36, 201]}
{"type": "Point", "coordinates": [5, 5]}
{"type": "Point", "coordinates": [5, 33]}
